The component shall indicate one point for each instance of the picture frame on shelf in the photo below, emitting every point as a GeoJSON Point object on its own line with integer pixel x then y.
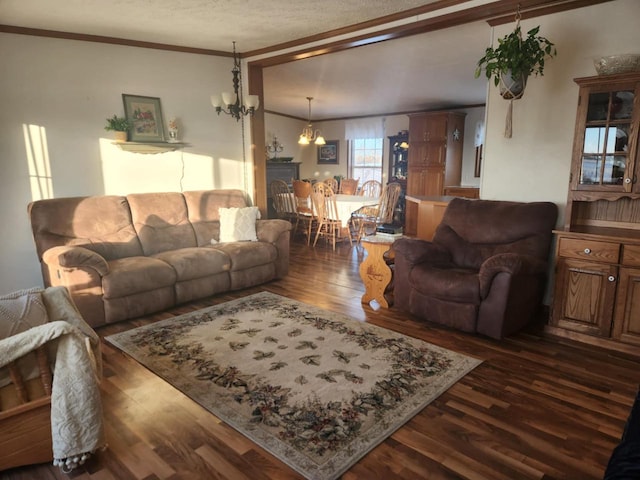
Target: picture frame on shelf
{"type": "Point", "coordinates": [145, 115]}
{"type": "Point", "coordinates": [328, 153]}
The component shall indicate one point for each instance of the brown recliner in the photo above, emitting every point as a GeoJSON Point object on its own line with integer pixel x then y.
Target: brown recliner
{"type": "Point", "coordinates": [485, 269]}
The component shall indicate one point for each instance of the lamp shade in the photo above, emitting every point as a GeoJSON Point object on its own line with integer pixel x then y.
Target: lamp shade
{"type": "Point", "coordinates": [252, 101]}
{"type": "Point", "coordinates": [216, 101]}
{"type": "Point", "coordinates": [320, 140]}
{"type": "Point", "coordinates": [228, 98]}
{"type": "Point", "coordinates": [303, 140]}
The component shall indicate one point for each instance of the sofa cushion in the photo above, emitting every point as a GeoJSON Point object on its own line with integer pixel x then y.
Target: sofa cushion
{"type": "Point", "coordinates": [196, 262]}
{"type": "Point", "coordinates": [203, 210]}
{"type": "Point", "coordinates": [453, 284]}
{"type": "Point", "coordinates": [128, 276]}
{"type": "Point", "coordinates": [245, 255]}
{"type": "Point", "coordinates": [161, 221]}
{"type": "Point", "coordinates": [238, 224]}
{"type": "Point", "coordinates": [102, 224]}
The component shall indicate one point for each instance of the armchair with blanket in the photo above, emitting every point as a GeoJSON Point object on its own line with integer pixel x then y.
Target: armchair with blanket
{"type": "Point", "coordinates": [50, 366]}
{"type": "Point", "coordinates": [485, 269]}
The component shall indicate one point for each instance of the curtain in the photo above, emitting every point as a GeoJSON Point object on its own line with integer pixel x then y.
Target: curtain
{"type": "Point", "coordinates": [364, 128]}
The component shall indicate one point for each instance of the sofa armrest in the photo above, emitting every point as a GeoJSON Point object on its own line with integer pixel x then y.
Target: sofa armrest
{"type": "Point", "coordinates": [75, 257]}
{"type": "Point", "coordinates": [416, 251]}
{"type": "Point", "coordinates": [511, 263]}
{"type": "Point", "coordinates": [271, 229]}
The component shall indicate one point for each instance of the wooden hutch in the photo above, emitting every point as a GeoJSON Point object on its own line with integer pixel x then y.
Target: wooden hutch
{"type": "Point", "coordinates": [434, 159]}
{"type": "Point", "coordinates": [597, 262]}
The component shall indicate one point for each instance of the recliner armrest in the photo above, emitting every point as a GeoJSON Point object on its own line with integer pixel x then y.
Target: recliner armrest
{"type": "Point", "coordinates": [76, 257]}
{"type": "Point", "coordinates": [512, 263]}
{"type": "Point", "coordinates": [269, 230]}
{"type": "Point", "coordinates": [416, 251]}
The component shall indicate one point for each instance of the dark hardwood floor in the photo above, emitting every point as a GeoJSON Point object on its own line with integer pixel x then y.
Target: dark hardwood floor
{"type": "Point", "coordinates": [534, 409]}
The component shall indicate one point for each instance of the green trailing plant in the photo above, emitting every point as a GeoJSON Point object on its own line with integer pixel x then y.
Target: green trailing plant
{"type": "Point", "coordinates": [117, 124]}
{"type": "Point", "coordinates": [517, 55]}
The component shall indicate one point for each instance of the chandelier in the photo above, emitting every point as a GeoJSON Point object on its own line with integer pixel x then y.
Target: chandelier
{"type": "Point", "coordinates": [233, 103]}
{"type": "Point", "coordinates": [275, 147]}
{"type": "Point", "coordinates": [308, 135]}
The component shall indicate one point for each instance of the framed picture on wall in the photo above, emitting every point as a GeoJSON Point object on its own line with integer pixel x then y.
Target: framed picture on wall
{"type": "Point", "coordinates": [328, 153]}
{"type": "Point", "coordinates": [145, 115]}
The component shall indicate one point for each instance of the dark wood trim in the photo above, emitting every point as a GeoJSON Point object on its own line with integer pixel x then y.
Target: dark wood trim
{"type": "Point", "coordinates": [382, 114]}
{"type": "Point", "coordinates": [258, 141]}
{"type": "Point", "coordinates": [38, 32]}
{"type": "Point", "coordinates": [545, 11]}
{"type": "Point", "coordinates": [500, 8]}
{"type": "Point", "coordinates": [432, 7]}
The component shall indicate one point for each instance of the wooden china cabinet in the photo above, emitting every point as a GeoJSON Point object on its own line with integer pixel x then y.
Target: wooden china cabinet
{"type": "Point", "coordinates": [597, 285]}
{"type": "Point", "coordinates": [398, 164]}
{"type": "Point", "coordinates": [435, 157]}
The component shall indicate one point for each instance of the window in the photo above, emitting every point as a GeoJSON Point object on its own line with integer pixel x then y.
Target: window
{"type": "Point", "coordinates": [365, 159]}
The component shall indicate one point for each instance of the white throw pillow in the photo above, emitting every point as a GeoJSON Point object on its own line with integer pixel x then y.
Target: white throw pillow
{"type": "Point", "coordinates": [238, 224]}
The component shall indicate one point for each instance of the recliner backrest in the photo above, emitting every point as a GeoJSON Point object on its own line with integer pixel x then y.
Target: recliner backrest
{"type": "Point", "coordinates": [474, 230]}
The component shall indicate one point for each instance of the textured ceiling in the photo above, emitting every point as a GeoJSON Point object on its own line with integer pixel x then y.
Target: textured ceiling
{"type": "Point", "coordinates": [209, 24]}
{"type": "Point", "coordinates": [427, 71]}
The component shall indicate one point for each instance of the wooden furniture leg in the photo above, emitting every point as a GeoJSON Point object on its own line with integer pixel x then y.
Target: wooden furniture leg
{"type": "Point", "coordinates": [374, 271]}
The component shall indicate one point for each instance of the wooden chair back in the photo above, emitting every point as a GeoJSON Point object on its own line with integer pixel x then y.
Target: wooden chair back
{"type": "Point", "coordinates": [371, 188]}
{"type": "Point", "coordinates": [349, 186]}
{"type": "Point", "coordinates": [304, 207]}
{"type": "Point", "coordinates": [324, 202]}
{"type": "Point", "coordinates": [332, 182]}
{"type": "Point", "coordinates": [302, 197]}
{"type": "Point", "coordinates": [388, 202]}
{"type": "Point", "coordinates": [283, 200]}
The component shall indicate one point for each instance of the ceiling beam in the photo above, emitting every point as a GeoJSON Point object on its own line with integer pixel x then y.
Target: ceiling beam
{"type": "Point", "coordinates": [500, 11]}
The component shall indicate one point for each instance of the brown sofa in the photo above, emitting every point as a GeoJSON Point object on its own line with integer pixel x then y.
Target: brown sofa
{"type": "Point", "coordinates": [123, 257]}
{"type": "Point", "coordinates": [485, 270]}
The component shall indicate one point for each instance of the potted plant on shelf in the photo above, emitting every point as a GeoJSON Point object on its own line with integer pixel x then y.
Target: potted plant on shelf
{"type": "Point", "coordinates": [120, 126]}
{"type": "Point", "coordinates": [514, 60]}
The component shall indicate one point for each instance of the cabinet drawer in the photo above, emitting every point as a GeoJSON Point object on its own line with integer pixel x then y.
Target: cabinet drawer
{"type": "Point", "coordinates": [631, 255]}
{"type": "Point", "coordinates": [589, 249]}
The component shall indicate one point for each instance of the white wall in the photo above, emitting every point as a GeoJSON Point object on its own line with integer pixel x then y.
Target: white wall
{"type": "Point", "coordinates": [535, 163]}
{"type": "Point", "coordinates": [56, 95]}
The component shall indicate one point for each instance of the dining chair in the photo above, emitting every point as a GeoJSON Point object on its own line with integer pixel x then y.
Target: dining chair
{"type": "Point", "coordinates": [332, 182]}
{"type": "Point", "coordinates": [283, 200]}
{"type": "Point", "coordinates": [371, 188]}
{"type": "Point", "coordinates": [303, 207]}
{"type": "Point", "coordinates": [329, 223]}
{"type": "Point", "coordinates": [372, 216]}
{"type": "Point", "coordinates": [349, 186]}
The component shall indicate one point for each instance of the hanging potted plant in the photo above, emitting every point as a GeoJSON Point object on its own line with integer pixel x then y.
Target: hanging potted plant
{"type": "Point", "coordinates": [514, 59]}
{"type": "Point", "coordinates": [120, 126]}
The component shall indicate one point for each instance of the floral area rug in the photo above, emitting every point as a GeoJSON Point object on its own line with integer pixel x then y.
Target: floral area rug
{"type": "Point", "coordinates": [316, 389]}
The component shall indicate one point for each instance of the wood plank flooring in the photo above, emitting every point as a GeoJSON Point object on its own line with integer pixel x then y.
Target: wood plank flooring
{"type": "Point", "coordinates": [535, 409]}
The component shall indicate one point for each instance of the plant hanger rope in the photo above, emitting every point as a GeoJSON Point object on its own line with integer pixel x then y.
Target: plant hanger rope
{"type": "Point", "coordinates": [508, 93]}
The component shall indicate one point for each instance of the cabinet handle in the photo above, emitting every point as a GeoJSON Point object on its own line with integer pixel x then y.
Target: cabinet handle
{"type": "Point", "coordinates": [587, 251]}
{"type": "Point", "coordinates": [611, 278]}
{"type": "Point", "coordinates": [627, 180]}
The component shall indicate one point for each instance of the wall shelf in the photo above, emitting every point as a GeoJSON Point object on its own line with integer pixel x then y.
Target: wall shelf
{"type": "Point", "coordinates": [149, 148]}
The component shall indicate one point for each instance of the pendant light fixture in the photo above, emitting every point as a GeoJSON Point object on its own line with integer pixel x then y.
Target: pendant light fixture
{"type": "Point", "coordinates": [233, 103]}
{"type": "Point", "coordinates": [309, 135]}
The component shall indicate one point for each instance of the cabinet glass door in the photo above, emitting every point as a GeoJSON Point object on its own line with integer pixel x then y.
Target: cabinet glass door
{"type": "Point", "coordinates": [605, 153]}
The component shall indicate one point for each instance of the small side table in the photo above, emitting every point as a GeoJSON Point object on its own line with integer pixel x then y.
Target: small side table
{"type": "Point", "coordinates": [374, 271]}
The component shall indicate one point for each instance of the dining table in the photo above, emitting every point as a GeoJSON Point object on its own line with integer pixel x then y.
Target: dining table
{"type": "Point", "coordinates": [345, 206]}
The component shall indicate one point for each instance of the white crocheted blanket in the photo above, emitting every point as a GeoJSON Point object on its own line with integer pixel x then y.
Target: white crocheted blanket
{"type": "Point", "coordinates": [76, 408]}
